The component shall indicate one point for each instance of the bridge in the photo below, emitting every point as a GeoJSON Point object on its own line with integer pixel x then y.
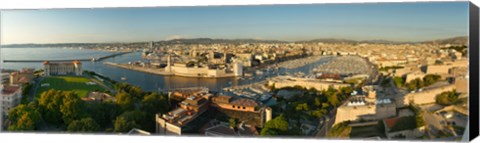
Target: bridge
{"type": "Point", "coordinates": [68, 60]}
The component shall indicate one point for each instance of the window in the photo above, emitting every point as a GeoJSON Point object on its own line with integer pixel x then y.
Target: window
{"type": "Point", "coordinates": [233, 106]}
{"type": "Point", "coordinates": [244, 107]}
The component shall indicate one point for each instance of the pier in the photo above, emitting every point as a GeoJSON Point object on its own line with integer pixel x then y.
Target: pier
{"type": "Point", "coordinates": [68, 60]}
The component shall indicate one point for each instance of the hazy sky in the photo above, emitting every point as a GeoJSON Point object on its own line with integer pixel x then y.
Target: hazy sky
{"type": "Point", "coordinates": [388, 21]}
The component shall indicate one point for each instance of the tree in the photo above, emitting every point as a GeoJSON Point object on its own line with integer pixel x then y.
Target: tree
{"type": "Point", "coordinates": [340, 130]}
{"type": "Point", "coordinates": [268, 132]}
{"type": "Point", "coordinates": [233, 122]}
{"type": "Point", "coordinates": [103, 113]}
{"type": "Point", "coordinates": [430, 79]}
{"type": "Point", "coordinates": [154, 103]}
{"type": "Point", "coordinates": [24, 118]}
{"type": "Point", "coordinates": [399, 82]}
{"type": "Point", "coordinates": [276, 126]}
{"type": "Point", "coordinates": [122, 125]}
{"type": "Point", "coordinates": [415, 84]}
{"type": "Point", "coordinates": [318, 102]}
{"type": "Point", "coordinates": [26, 87]}
{"type": "Point", "coordinates": [346, 90]}
{"type": "Point", "coordinates": [72, 107]}
{"type": "Point", "coordinates": [447, 98]}
{"type": "Point", "coordinates": [333, 100]}
{"type": "Point", "coordinates": [318, 113]}
{"type": "Point", "coordinates": [124, 101]}
{"type": "Point", "coordinates": [302, 107]}
{"type": "Point", "coordinates": [49, 103]}
{"type": "Point", "coordinates": [130, 120]}
{"type": "Point", "coordinates": [83, 125]}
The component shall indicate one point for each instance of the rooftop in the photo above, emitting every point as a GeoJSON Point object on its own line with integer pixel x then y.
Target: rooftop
{"type": "Point", "coordinates": [8, 90]}
{"type": "Point", "coordinates": [136, 131]}
{"type": "Point", "coordinates": [60, 63]}
{"type": "Point", "coordinates": [244, 102]}
{"type": "Point", "coordinates": [221, 130]}
{"type": "Point", "coordinates": [400, 123]}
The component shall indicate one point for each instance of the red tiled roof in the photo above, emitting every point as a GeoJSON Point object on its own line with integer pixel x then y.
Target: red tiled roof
{"type": "Point", "coordinates": [391, 122]}
{"type": "Point", "coordinates": [245, 102]}
{"type": "Point", "coordinates": [9, 89]}
{"type": "Point", "coordinates": [223, 97]}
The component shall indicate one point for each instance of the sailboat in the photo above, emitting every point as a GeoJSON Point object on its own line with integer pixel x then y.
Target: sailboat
{"type": "Point", "coordinates": [123, 78]}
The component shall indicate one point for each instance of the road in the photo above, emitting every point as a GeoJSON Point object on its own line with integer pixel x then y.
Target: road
{"type": "Point", "coordinates": [33, 90]}
{"type": "Point", "coordinates": [322, 132]}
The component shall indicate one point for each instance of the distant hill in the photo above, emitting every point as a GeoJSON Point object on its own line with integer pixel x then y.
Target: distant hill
{"type": "Point", "coordinates": [463, 40]}
{"type": "Point", "coordinates": [210, 41]}
{"type": "Point", "coordinates": [455, 40]}
{"type": "Point", "coordinates": [49, 45]}
{"type": "Point", "coordinates": [329, 40]}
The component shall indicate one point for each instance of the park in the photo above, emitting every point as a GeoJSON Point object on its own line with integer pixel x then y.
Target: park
{"type": "Point", "coordinates": [77, 84]}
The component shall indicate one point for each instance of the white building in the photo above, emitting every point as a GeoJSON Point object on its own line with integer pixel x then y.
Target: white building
{"type": "Point", "coordinates": [238, 69]}
{"type": "Point", "coordinates": [67, 68]}
{"type": "Point", "coordinates": [10, 97]}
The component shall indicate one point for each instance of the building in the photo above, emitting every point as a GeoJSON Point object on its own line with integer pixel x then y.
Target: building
{"type": "Point", "coordinates": [398, 127]}
{"type": "Point", "coordinates": [237, 69]}
{"type": "Point", "coordinates": [288, 81]}
{"type": "Point", "coordinates": [183, 93]}
{"type": "Point", "coordinates": [461, 84]}
{"type": "Point", "coordinates": [241, 130]}
{"type": "Point", "coordinates": [413, 76]}
{"type": "Point", "coordinates": [229, 103]}
{"type": "Point", "coordinates": [99, 97]}
{"type": "Point", "coordinates": [175, 122]}
{"type": "Point", "coordinates": [245, 59]}
{"type": "Point", "coordinates": [183, 69]}
{"type": "Point", "coordinates": [62, 68]}
{"type": "Point", "coordinates": [438, 69]}
{"type": "Point", "coordinates": [243, 109]}
{"type": "Point", "coordinates": [21, 77]}
{"type": "Point", "coordinates": [426, 96]}
{"type": "Point", "coordinates": [359, 109]}
{"type": "Point", "coordinates": [136, 131]}
{"type": "Point", "coordinates": [366, 107]}
{"type": "Point", "coordinates": [10, 97]}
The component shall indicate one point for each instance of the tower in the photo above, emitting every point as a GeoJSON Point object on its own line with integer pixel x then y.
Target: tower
{"type": "Point", "coordinates": [194, 52]}
{"type": "Point", "coordinates": [268, 114]}
{"type": "Point", "coordinates": [168, 68]}
{"type": "Point", "coordinates": [225, 55]}
{"type": "Point", "coordinates": [237, 69]}
{"type": "Point", "coordinates": [46, 68]}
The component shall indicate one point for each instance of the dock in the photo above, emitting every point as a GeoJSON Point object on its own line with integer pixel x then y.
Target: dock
{"type": "Point", "coordinates": [67, 60]}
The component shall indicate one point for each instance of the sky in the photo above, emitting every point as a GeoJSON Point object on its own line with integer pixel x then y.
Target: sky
{"type": "Point", "coordinates": [373, 21]}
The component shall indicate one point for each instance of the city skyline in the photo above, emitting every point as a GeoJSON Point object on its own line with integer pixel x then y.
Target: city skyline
{"type": "Point", "coordinates": [400, 22]}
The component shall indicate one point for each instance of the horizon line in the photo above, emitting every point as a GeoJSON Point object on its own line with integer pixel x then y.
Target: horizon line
{"type": "Point", "coordinates": [111, 42]}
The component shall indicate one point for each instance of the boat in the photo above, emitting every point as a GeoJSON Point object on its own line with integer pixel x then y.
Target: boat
{"type": "Point", "coordinates": [265, 97]}
{"type": "Point", "coordinates": [123, 78]}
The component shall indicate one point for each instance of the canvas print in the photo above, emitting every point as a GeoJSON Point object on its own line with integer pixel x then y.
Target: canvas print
{"type": "Point", "coordinates": [372, 71]}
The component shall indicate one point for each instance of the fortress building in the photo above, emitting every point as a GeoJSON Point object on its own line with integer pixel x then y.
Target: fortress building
{"type": "Point", "coordinates": [366, 107]}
